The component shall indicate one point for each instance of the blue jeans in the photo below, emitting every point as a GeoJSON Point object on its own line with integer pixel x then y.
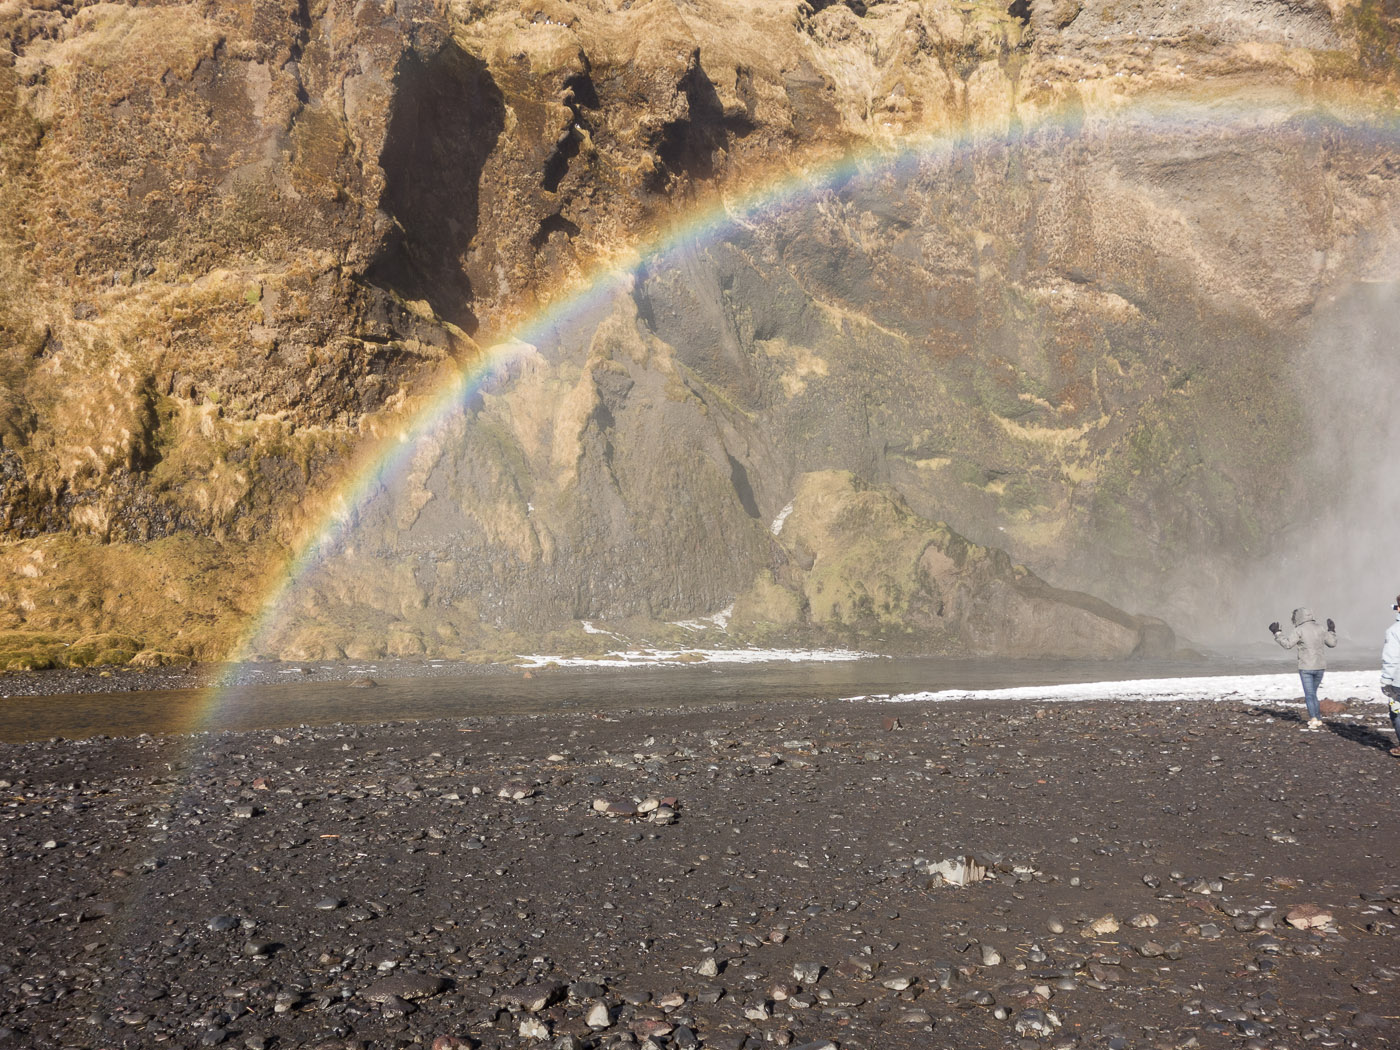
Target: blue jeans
{"type": "Point", "coordinates": [1311, 680]}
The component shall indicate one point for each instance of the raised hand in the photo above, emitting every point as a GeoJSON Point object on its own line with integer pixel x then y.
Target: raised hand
{"type": "Point", "coordinates": [1331, 626]}
{"type": "Point", "coordinates": [1273, 627]}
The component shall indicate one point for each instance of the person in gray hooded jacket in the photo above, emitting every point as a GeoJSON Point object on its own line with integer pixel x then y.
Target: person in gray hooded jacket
{"type": "Point", "coordinates": [1309, 639]}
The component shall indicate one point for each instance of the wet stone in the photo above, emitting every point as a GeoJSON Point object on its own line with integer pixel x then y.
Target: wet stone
{"type": "Point", "coordinates": [536, 997]}
{"type": "Point", "coordinates": [396, 1006]}
{"type": "Point", "coordinates": [407, 986]}
{"type": "Point", "coordinates": [97, 910]}
{"type": "Point", "coordinates": [652, 1027]}
{"type": "Point", "coordinates": [1308, 916]}
{"type": "Point", "coordinates": [534, 1028]}
{"type": "Point", "coordinates": [598, 1016]}
{"type": "Point", "coordinates": [1036, 1022]}
{"type": "Point", "coordinates": [1100, 927]}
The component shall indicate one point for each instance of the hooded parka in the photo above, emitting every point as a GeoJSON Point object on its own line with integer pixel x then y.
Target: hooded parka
{"type": "Point", "coordinates": [1308, 638]}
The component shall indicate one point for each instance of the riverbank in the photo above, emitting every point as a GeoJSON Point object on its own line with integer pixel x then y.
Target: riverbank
{"type": "Point", "coordinates": [411, 884]}
{"type": "Point", "coordinates": [85, 681]}
{"type": "Point", "coordinates": [93, 681]}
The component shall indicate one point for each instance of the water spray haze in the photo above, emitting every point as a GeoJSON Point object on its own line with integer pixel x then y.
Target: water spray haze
{"type": "Point", "coordinates": [1340, 553]}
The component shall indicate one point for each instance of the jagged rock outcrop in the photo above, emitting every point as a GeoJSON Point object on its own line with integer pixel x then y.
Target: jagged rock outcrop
{"type": "Point", "coordinates": [241, 242]}
{"type": "Point", "coordinates": [843, 563]}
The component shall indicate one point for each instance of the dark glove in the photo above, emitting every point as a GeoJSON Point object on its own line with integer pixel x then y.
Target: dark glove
{"type": "Point", "coordinates": [1273, 627]}
{"type": "Point", "coordinates": [1331, 626]}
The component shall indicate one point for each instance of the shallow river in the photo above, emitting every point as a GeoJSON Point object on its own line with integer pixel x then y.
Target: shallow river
{"type": "Point", "coordinates": [309, 702]}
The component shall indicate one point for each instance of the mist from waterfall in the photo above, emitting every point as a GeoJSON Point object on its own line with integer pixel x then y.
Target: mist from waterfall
{"type": "Point", "coordinates": [1341, 557]}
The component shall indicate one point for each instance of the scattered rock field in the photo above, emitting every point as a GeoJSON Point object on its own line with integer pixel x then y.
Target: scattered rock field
{"type": "Point", "coordinates": [1092, 875]}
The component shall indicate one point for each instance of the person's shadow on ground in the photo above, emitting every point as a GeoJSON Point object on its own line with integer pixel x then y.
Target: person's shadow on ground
{"type": "Point", "coordinates": [1361, 734]}
{"type": "Point", "coordinates": [1353, 731]}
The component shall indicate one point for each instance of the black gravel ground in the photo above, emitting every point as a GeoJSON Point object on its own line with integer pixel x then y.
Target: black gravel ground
{"type": "Point", "coordinates": [89, 680]}
{"type": "Point", "coordinates": [454, 883]}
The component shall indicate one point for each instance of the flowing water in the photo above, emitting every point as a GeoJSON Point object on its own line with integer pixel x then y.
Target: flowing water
{"type": "Point", "coordinates": [310, 702]}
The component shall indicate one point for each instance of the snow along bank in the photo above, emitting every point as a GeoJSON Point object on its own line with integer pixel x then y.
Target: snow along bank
{"type": "Point", "coordinates": [1364, 686]}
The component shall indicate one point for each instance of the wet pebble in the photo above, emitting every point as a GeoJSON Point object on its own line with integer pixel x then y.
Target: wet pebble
{"type": "Point", "coordinates": [407, 986]}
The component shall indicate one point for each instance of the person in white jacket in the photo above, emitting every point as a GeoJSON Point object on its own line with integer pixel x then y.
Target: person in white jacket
{"type": "Point", "coordinates": [1390, 673]}
{"type": "Point", "coordinates": [1312, 643]}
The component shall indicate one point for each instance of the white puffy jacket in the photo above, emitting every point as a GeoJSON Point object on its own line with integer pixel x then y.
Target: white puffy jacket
{"type": "Point", "coordinates": [1390, 655]}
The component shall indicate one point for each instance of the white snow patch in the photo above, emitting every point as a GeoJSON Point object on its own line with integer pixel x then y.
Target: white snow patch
{"type": "Point", "coordinates": [1251, 689]}
{"type": "Point", "coordinates": [656, 657]}
{"type": "Point", "coordinates": [777, 526]}
{"type": "Point", "coordinates": [588, 628]}
{"type": "Point", "coordinates": [719, 620]}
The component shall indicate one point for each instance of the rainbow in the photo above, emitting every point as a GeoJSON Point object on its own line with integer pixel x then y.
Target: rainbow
{"type": "Point", "coordinates": [1256, 109]}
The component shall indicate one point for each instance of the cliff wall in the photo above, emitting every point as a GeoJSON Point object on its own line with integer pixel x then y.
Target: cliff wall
{"type": "Point", "coordinates": [1056, 311]}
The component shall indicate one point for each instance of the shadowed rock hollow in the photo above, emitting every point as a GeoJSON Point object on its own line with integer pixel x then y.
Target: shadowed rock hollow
{"type": "Point", "coordinates": [242, 243]}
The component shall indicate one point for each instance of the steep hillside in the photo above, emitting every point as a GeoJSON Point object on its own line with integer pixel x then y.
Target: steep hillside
{"type": "Point", "coordinates": [1055, 308]}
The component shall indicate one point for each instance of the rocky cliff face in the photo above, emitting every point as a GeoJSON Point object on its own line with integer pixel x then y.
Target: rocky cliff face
{"type": "Point", "coordinates": [243, 242]}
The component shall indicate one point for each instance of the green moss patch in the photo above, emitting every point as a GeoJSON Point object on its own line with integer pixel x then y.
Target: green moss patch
{"type": "Point", "coordinates": [38, 651]}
